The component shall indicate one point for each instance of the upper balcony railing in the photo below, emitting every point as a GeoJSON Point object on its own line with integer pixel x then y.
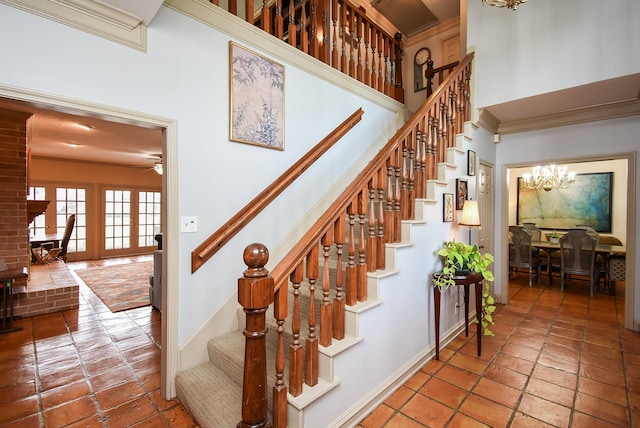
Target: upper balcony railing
{"type": "Point", "coordinates": [336, 33]}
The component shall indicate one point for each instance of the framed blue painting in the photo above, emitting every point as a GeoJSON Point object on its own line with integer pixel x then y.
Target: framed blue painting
{"type": "Point", "coordinates": [587, 201]}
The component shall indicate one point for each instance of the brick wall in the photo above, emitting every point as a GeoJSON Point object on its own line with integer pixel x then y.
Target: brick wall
{"type": "Point", "coordinates": [14, 236]}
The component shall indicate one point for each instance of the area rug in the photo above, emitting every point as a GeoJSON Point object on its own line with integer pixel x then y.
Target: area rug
{"type": "Point", "coordinates": [120, 286]}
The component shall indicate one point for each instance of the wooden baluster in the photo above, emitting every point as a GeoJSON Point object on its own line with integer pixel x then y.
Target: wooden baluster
{"type": "Point", "coordinates": [344, 25]}
{"type": "Point", "coordinates": [334, 42]}
{"type": "Point", "coordinates": [311, 349]}
{"type": "Point", "coordinates": [362, 255]}
{"type": "Point", "coordinates": [404, 181]}
{"type": "Point", "coordinates": [397, 217]}
{"type": "Point", "coordinates": [324, 49]}
{"type": "Point", "coordinates": [304, 35]}
{"type": "Point", "coordinates": [350, 270]}
{"type": "Point", "coordinates": [255, 294]}
{"type": "Point", "coordinates": [296, 362]}
{"type": "Point", "coordinates": [280, 313]}
{"type": "Point", "coordinates": [359, 25]}
{"type": "Point", "coordinates": [453, 111]}
{"type": "Point", "coordinates": [388, 213]}
{"type": "Point", "coordinates": [279, 21]}
{"type": "Point", "coordinates": [372, 240]}
{"type": "Point", "coordinates": [215, 2]}
{"type": "Point", "coordinates": [314, 47]}
{"type": "Point", "coordinates": [367, 64]}
{"type": "Point", "coordinates": [411, 212]}
{"type": "Point", "coordinates": [399, 89]}
{"type": "Point", "coordinates": [423, 159]}
{"type": "Point", "coordinates": [451, 116]}
{"type": "Point", "coordinates": [374, 71]}
{"type": "Point", "coordinates": [292, 24]}
{"type": "Point", "coordinates": [265, 18]}
{"type": "Point", "coordinates": [460, 104]}
{"type": "Point", "coordinates": [435, 150]}
{"type": "Point", "coordinates": [233, 7]}
{"type": "Point", "coordinates": [248, 11]}
{"type": "Point", "coordinates": [339, 299]}
{"type": "Point", "coordinates": [428, 74]}
{"type": "Point", "coordinates": [326, 310]}
{"type": "Point", "coordinates": [417, 185]}
{"type": "Point", "coordinates": [381, 65]}
{"type": "Point", "coordinates": [352, 42]}
{"type": "Point", "coordinates": [381, 175]}
{"type": "Point", "coordinates": [386, 74]}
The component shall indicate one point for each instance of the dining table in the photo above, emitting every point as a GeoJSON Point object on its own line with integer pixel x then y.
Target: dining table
{"type": "Point", "coordinates": [601, 249]}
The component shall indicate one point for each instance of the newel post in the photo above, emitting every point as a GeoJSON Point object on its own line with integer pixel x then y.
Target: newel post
{"type": "Point", "coordinates": [255, 294]}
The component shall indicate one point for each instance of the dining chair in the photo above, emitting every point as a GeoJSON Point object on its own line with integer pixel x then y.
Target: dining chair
{"type": "Point", "coordinates": [522, 254]}
{"type": "Point", "coordinates": [578, 257]}
{"type": "Point", "coordinates": [46, 252]}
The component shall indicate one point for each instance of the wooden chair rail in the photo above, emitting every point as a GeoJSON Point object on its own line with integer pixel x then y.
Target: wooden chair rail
{"type": "Point", "coordinates": [326, 270]}
{"type": "Point", "coordinates": [219, 238]}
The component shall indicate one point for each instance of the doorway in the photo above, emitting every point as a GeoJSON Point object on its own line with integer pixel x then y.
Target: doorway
{"type": "Point", "coordinates": [624, 194]}
{"type": "Point", "coordinates": [21, 100]}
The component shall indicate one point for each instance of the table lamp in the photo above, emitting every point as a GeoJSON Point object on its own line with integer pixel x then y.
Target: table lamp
{"type": "Point", "coordinates": [470, 215]}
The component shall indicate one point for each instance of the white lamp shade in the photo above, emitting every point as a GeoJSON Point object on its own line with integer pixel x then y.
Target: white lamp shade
{"type": "Point", "coordinates": [470, 214]}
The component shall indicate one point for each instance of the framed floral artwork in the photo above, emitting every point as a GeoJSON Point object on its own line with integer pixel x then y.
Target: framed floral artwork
{"type": "Point", "coordinates": [471, 162]}
{"type": "Point", "coordinates": [461, 193]}
{"type": "Point", "coordinates": [256, 99]}
{"type": "Point", "coordinates": [447, 210]}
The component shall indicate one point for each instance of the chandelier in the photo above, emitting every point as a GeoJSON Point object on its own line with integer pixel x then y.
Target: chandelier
{"type": "Point", "coordinates": [511, 4]}
{"type": "Point", "coordinates": [549, 177]}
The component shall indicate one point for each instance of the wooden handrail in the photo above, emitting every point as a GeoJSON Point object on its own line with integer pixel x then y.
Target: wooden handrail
{"type": "Point", "coordinates": [220, 237]}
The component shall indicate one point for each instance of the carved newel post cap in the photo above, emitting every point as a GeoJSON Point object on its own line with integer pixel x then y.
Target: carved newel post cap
{"type": "Point", "coordinates": [255, 288]}
{"type": "Point", "coordinates": [255, 256]}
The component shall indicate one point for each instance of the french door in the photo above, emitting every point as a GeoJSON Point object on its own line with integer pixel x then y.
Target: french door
{"type": "Point", "coordinates": [131, 219]}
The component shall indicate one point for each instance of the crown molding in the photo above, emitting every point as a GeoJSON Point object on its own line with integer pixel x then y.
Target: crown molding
{"type": "Point", "coordinates": [572, 117]}
{"type": "Point", "coordinates": [91, 16]}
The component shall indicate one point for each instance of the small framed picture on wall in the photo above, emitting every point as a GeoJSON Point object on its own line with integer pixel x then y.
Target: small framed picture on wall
{"type": "Point", "coordinates": [471, 162]}
{"type": "Point", "coordinates": [461, 193]}
{"type": "Point", "coordinates": [447, 210]}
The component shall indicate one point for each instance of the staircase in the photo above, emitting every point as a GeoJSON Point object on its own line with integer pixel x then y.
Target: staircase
{"type": "Point", "coordinates": [212, 392]}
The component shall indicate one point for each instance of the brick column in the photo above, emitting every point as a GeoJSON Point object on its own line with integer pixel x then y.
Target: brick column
{"type": "Point", "coordinates": [14, 237]}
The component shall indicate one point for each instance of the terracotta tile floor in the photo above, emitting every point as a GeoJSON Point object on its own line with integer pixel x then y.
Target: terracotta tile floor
{"type": "Point", "coordinates": [86, 367]}
{"type": "Point", "coordinates": [557, 360]}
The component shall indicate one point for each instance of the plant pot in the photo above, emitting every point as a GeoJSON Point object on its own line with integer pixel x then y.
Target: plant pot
{"type": "Point", "coordinates": [463, 272]}
{"type": "Point", "coordinates": [554, 240]}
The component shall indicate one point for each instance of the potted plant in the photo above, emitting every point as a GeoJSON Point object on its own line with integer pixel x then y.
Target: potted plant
{"type": "Point", "coordinates": [555, 237]}
{"type": "Point", "coordinates": [460, 259]}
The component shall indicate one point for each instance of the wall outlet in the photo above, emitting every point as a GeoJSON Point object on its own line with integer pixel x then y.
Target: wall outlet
{"type": "Point", "coordinates": [188, 224]}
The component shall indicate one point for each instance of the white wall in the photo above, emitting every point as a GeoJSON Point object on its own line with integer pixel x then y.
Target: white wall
{"type": "Point", "coordinates": [184, 76]}
{"type": "Point", "coordinates": [548, 45]}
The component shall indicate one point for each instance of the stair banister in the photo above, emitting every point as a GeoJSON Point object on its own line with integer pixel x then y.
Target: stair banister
{"type": "Point", "coordinates": [219, 238]}
{"type": "Point", "coordinates": [378, 194]}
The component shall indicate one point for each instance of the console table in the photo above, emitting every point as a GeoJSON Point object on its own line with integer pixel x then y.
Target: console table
{"type": "Point", "coordinates": [465, 281]}
{"type": "Point", "coordinates": [7, 280]}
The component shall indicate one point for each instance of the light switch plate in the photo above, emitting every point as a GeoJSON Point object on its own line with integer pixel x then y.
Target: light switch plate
{"type": "Point", "coordinates": [188, 224]}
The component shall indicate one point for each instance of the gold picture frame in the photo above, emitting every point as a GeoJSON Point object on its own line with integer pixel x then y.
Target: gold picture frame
{"type": "Point", "coordinates": [256, 102]}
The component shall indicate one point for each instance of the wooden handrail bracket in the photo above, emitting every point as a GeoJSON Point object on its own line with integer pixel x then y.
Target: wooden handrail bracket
{"type": "Point", "coordinates": [219, 238]}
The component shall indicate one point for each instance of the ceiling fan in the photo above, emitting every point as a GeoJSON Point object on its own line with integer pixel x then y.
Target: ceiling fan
{"type": "Point", "coordinates": [157, 166]}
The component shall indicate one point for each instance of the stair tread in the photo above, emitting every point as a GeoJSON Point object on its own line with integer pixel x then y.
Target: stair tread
{"type": "Point", "coordinates": [205, 390]}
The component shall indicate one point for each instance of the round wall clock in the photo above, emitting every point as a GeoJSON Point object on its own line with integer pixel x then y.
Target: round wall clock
{"type": "Point", "coordinates": [422, 56]}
